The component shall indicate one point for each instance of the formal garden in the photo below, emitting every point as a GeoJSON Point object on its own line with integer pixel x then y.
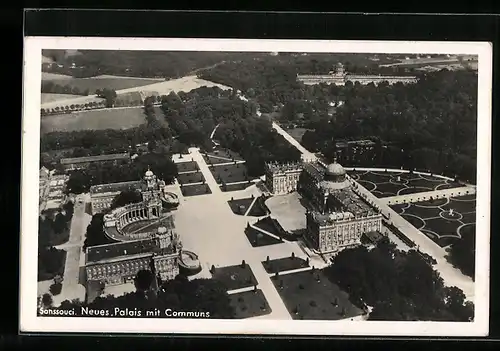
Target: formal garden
{"type": "Point", "coordinates": [249, 304]}
{"type": "Point", "coordinates": [443, 220]}
{"type": "Point", "coordinates": [258, 238]}
{"type": "Point", "coordinates": [386, 184]}
{"type": "Point", "coordinates": [235, 186]}
{"type": "Point", "coordinates": [310, 295]}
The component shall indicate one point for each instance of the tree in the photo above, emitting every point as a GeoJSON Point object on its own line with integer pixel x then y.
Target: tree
{"type": "Point", "coordinates": [47, 300]}
{"type": "Point", "coordinates": [143, 280]}
{"type": "Point", "coordinates": [126, 197]}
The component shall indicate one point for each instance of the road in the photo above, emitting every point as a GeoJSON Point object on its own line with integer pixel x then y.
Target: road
{"type": "Point", "coordinates": [72, 288]}
{"type": "Point", "coordinates": [307, 156]}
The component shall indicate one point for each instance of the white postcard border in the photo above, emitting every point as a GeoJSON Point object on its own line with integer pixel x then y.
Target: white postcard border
{"type": "Point", "coordinates": [30, 322]}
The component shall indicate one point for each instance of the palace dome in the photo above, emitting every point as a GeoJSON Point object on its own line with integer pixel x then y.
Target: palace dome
{"type": "Point", "coordinates": [335, 169]}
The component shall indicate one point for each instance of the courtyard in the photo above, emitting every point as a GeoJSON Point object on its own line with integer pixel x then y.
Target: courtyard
{"type": "Point", "coordinates": [386, 184]}
{"type": "Point", "coordinates": [442, 220]}
{"type": "Point", "coordinates": [147, 226]}
{"type": "Point", "coordinates": [310, 295]}
{"type": "Point", "coordinates": [289, 211]}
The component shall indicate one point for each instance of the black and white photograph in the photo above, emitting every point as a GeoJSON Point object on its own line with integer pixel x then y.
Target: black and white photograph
{"type": "Point", "coordinates": [256, 186]}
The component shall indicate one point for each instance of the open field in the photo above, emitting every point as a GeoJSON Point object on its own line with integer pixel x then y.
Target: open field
{"type": "Point", "coordinates": [46, 97]}
{"type": "Point", "coordinates": [55, 76]}
{"type": "Point", "coordinates": [92, 84]}
{"type": "Point", "coordinates": [185, 84]}
{"type": "Point", "coordinates": [122, 118]}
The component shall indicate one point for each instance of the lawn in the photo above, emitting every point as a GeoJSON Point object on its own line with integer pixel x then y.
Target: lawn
{"type": "Point", "coordinates": [249, 304]}
{"type": "Point", "coordinates": [189, 166]}
{"type": "Point", "coordinates": [414, 190]}
{"type": "Point", "coordinates": [423, 212]}
{"type": "Point", "coordinates": [235, 187]}
{"type": "Point", "coordinates": [235, 277]}
{"type": "Point", "coordinates": [257, 209]}
{"type": "Point", "coordinates": [284, 264]}
{"type": "Point", "coordinates": [122, 118]}
{"type": "Point", "coordinates": [258, 239]}
{"type": "Point", "coordinates": [417, 222]}
{"type": "Point", "coordinates": [189, 178]}
{"type": "Point", "coordinates": [310, 295]}
{"type": "Point", "coordinates": [92, 84]}
{"type": "Point", "coordinates": [240, 206]}
{"type": "Point", "coordinates": [268, 225]}
{"type": "Point", "coordinates": [194, 190]}
{"type": "Point", "coordinates": [210, 160]}
{"type": "Point", "coordinates": [390, 189]}
{"type": "Point", "coordinates": [230, 173]}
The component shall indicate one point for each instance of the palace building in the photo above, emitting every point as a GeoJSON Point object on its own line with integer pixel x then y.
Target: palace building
{"type": "Point", "coordinates": [336, 217]}
{"type": "Point", "coordinates": [339, 77]}
{"type": "Point", "coordinates": [143, 233]}
{"type": "Point", "coordinates": [102, 195]}
{"type": "Point", "coordinates": [282, 178]}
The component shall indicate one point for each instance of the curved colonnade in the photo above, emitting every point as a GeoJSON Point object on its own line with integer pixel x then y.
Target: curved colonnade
{"type": "Point", "coordinates": [121, 217]}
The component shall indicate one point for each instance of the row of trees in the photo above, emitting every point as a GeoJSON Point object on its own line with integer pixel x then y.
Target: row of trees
{"type": "Point", "coordinates": [398, 285]}
{"type": "Point", "coordinates": [462, 254]}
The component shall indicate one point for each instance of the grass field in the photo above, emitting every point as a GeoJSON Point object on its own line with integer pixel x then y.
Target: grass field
{"type": "Point", "coordinates": [122, 118]}
{"type": "Point", "coordinates": [46, 97]}
{"type": "Point", "coordinates": [92, 84]}
{"type": "Point", "coordinates": [55, 76]}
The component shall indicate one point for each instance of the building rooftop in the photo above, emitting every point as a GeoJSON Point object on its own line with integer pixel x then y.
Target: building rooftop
{"type": "Point", "coordinates": [115, 250]}
{"type": "Point", "coordinates": [316, 170]}
{"type": "Point", "coordinates": [115, 187]}
{"type": "Point", "coordinates": [352, 203]}
{"type": "Point", "coordinates": [109, 157]}
{"type": "Point", "coordinates": [284, 167]}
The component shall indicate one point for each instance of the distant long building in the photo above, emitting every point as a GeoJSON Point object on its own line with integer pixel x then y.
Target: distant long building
{"type": "Point", "coordinates": [73, 163]}
{"type": "Point", "coordinates": [340, 77]}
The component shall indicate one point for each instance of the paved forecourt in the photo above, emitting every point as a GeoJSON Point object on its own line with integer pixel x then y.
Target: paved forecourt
{"type": "Point", "coordinates": [208, 227]}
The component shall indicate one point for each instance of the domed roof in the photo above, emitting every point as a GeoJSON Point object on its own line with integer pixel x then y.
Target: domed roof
{"type": "Point", "coordinates": [335, 169]}
{"type": "Point", "coordinates": [162, 230]}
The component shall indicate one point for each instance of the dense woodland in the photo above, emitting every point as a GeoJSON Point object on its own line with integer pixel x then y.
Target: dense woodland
{"type": "Point", "coordinates": [430, 125]}
{"type": "Point", "coordinates": [400, 286]}
{"type": "Point", "coordinates": [462, 254]}
{"type": "Point", "coordinates": [150, 64]}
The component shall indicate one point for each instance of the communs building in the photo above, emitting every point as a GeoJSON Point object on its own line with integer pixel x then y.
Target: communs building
{"type": "Point", "coordinates": [51, 189]}
{"type": "Point", "coordinates": [340, 77]}
{"type": "Point", "coordinates": [143, 235]}
{"type": "Point", "coordinates": [336, 216]}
